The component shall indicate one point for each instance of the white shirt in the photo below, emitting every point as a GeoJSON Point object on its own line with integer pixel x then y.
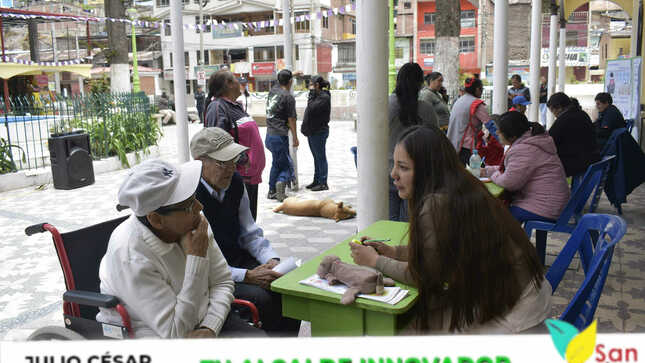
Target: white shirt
{"type": "Point", "coordinates": [251, 235]}
{"type": "Point", "coordinates": [166, 292]}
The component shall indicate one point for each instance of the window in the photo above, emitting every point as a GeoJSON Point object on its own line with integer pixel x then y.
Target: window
{"type": "Point", "coordinates": [263, 54]}
{"type": "Point", "coordinates": [466, 45]}
{"type": "Point", "coordinates": [301, 26]}
{"type": "Point", "coordinates": [427, 46]}
{"type": "Point", "coordinates": [468, 18]}
{"type": "Point", "coordinates": [207, 22]}
{"type": "Point", "coordinates": [279, 52]}
{"type": "Point", "coordinates": [347, 53]}
{"type": "Point", "coordinates": [170, 59]}
{"type": "Point", "coordinates": [398, 52]}
{"type": "Point", "coordinates": [188, 87]}
{"type": "Point", "coordinates": [325, 20]}
{"type": "Point", "coordinates": [353, 22]}
{"type": "Point", "coordinates": [297, 52]}
{"type": "Point", "coordinates": [206, 57]}
{"type": "Point", "coordinates": [166, 27]}
{"type": "Point", "coordinates": [186, 59]}
{"type": "Point", "coordinates": [572, 38]}
{"type": "Point", "coordinates": [407, 5]}
{"type": "Point", "coordinates": [396, 3]}
{"type": "Point", "coordinates": [163, 3]}
{"type": "Point", "coordinates": [428, 18]}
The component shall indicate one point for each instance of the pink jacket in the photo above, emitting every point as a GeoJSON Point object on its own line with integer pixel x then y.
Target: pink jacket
{"type": "Point", "coordinates": [534, 172]}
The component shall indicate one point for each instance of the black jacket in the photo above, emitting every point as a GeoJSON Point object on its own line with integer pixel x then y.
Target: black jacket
{"type": "Point", "coordinates": [609, 120]}
{"type": "Point", "coordinates": [317, 113]}
{"type": "Point", "coordinates": [573, 135]}
{"type": "Point", "coordinates": [627, 171]}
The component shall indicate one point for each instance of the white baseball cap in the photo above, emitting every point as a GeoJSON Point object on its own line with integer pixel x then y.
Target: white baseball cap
{"type": "Point", "coordinates": [156, 183]}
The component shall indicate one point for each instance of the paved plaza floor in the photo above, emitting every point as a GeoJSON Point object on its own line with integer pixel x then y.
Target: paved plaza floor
{"type": "Point", "coordinates": [31, 282]}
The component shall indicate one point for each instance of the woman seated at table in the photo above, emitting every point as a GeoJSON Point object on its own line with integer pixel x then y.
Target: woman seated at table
{"type": "Point", "coordinates": [474, 266]}
{"type": "Point", "coordinates": [531, 172]}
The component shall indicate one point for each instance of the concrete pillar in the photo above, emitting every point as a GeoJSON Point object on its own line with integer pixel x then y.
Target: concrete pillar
{"type": "Point", "coordinates": [34, 45]}
{"type": "Point", "coordinates": [55, 58]}
{"type": "Point", "coordinates": [179, 78]}
{"type": "Point", "coordinates": [288, 34]}
{"type": "Point", "coordinates": [553, 43]}
{"type": "Point", "coordinates": [536, 46]}
{"type": "Point", "coordinates": [635, 21]}
{"type": "Point", "coordinates": [500, 60]}
{"type": "Point", "coordinates": [562, 57]}
{"type": "Point", "coordinates": [373, 130]}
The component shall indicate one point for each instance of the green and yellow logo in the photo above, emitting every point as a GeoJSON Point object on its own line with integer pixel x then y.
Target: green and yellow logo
{"type": "Point", "coordinates": [573, 346]}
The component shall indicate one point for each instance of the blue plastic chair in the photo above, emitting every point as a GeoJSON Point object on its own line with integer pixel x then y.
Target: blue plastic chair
{"type": "Point", "coordinates": [574, 207]}
{"type": "Point", "coordinates": [354, 150]}
{"type": "Point", "coordinates": [595, 256]}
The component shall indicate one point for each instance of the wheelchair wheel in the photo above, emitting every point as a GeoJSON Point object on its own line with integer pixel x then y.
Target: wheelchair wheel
{"type": "Point", "coordinates": [55, 333]}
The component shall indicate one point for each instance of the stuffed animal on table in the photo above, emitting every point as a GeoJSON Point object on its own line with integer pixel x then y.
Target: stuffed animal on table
{"type": "Point", "coordinates": [315, 208]}
{"type": "Point", "coordinates": [359, 279]}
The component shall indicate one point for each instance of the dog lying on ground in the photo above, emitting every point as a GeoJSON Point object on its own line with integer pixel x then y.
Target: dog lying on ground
{"type": "Point", "coordinates": [360, 279]}
{"type": "Point", "coordinates": [315, 208]}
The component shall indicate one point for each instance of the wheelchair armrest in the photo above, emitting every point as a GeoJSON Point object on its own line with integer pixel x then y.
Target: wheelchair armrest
{"type": "Point", "coordinates": [91, 298]}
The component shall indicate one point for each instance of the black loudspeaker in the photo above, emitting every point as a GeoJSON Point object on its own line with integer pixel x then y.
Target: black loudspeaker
{"type": "Point", "coordinates": [71, 160]}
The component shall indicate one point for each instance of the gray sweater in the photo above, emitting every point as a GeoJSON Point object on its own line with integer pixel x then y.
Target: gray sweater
{"type": "Point", "coordinates": [440, 107]}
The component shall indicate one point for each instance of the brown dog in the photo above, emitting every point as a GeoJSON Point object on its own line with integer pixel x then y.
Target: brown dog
{"type": "Point", "coordinates": [360, 279]}
{"type": "Point", "coordinates": [315, 208]}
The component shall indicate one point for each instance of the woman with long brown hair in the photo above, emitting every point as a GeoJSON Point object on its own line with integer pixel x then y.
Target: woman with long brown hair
{"type": "Point", "coordinates": [474, 266]}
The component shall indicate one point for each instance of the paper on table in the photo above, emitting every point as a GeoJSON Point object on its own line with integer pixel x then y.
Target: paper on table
{"type": "Point", "coordinates": [485, 180]}
{"type": "Point", "coordinates": [287, 265]}
{"type": "Point", "coordinates": [391, 295]}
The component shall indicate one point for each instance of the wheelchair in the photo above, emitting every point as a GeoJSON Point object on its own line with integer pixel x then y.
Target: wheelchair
{"type": "Point", "coordinates": [80, 253]}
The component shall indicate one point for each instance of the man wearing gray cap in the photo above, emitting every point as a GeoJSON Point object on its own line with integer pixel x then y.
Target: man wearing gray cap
{"type": "Point", "coordinates": [161, 262]}
{"type": "Point", "coordinates": [226, 207]}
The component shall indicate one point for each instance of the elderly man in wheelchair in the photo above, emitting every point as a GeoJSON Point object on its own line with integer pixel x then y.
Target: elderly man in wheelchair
{"type": "Point", "coordinates": [161, 274]}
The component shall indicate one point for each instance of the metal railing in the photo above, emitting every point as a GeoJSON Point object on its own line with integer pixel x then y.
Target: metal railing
{"type": "Point", "coordinates": [117, 123]}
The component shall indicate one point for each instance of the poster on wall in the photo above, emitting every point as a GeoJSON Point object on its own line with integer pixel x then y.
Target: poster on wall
{"type": "Point", "coordinates": [618, 83]}
{"type": "Point", "coordinates": [636, 96]}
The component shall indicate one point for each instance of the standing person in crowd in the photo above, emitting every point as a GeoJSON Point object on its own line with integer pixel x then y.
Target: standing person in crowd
{"type": "Point", "coordinates": [244, 94]}
{"type": "Point", "coordinates": [200, 97]}
{"type": "Point", "coordinates": [572, 132]}
{"type": "Point", "coordinates": [609, 118]}
{"type": "Point", "coordinates": [531, 170]}
{"type": "Point", "coordinates": [517, 89]}
{"type": "Point", "coordinates": [432, 94]}
{"type": "Point", "coordinates": [543, 99]}
{"type": "Point", "coordinates": [519, 104]}
{"type": "Point", "coordinates": [468, 114]}
{"type": "Point", "coordinates": [458, 273]}
{"type": "Point", "coordinates": [405, 110]}
{"type": "Point", "coordinates": [281, 118]}
{"type": "Point", "coordinates": [224, 112]}
{"type": "Point", "coordinates": [315, 126]}
{"type": "Point", "coordinates": [164, 109]}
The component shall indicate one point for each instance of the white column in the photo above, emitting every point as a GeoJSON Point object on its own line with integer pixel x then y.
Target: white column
{"type": "Point", "coordinates": [288, 35]}
{"type": "Point", "coordinates": [553, 43]}
{"type": "Point", "coordinates": [78, 56]}
{"type": "Point", "coordinates": [536, 45]}
{"type": "Point", "coordinates": [500, 61]}
{"type": "Point", "coordinates": [179, 78]}
{"type": "Point", "coordinates": [55, 58]}
{"type": "Point", "coordinates": [562, 56]}
{"type": "Point", "coordinates": [373, 130]}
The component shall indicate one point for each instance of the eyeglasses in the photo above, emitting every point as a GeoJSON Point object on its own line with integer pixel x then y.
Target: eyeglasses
{"type": "Point", "coordinates": [187, 209]}
{"type": "Point", "coordinates": [238, 160]}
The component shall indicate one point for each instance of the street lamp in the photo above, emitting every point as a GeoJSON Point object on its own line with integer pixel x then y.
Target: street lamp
{"type": "Point", "coordinates": [132, 14]}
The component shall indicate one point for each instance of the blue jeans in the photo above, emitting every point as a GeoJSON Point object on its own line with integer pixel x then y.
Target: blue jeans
{"type": "Point", "coordinates": [317, 143]}
{"type": "Point", "coordinates": [522, 215]}
{"type": "Point", "coordinates": [281, 165]}
{"type": "Point", "coordinates": [398, 206]}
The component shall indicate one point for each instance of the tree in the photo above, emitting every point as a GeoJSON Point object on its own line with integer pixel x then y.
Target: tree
{"type": "Point", "coordinates": [117, 55]}
{"type": "Point", "coordinates": [447, 29]}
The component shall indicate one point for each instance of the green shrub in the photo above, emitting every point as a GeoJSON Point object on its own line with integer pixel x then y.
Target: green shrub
{"type": "Point", "coordinates": [7, 165]}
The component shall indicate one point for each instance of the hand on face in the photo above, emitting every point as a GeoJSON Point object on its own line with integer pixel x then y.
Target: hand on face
{"type": "Point", "coordinates": [196, 241]}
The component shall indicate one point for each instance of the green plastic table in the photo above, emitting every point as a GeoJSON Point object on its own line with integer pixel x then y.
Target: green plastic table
{"type": "Point", "coordinates": [323, 309]}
